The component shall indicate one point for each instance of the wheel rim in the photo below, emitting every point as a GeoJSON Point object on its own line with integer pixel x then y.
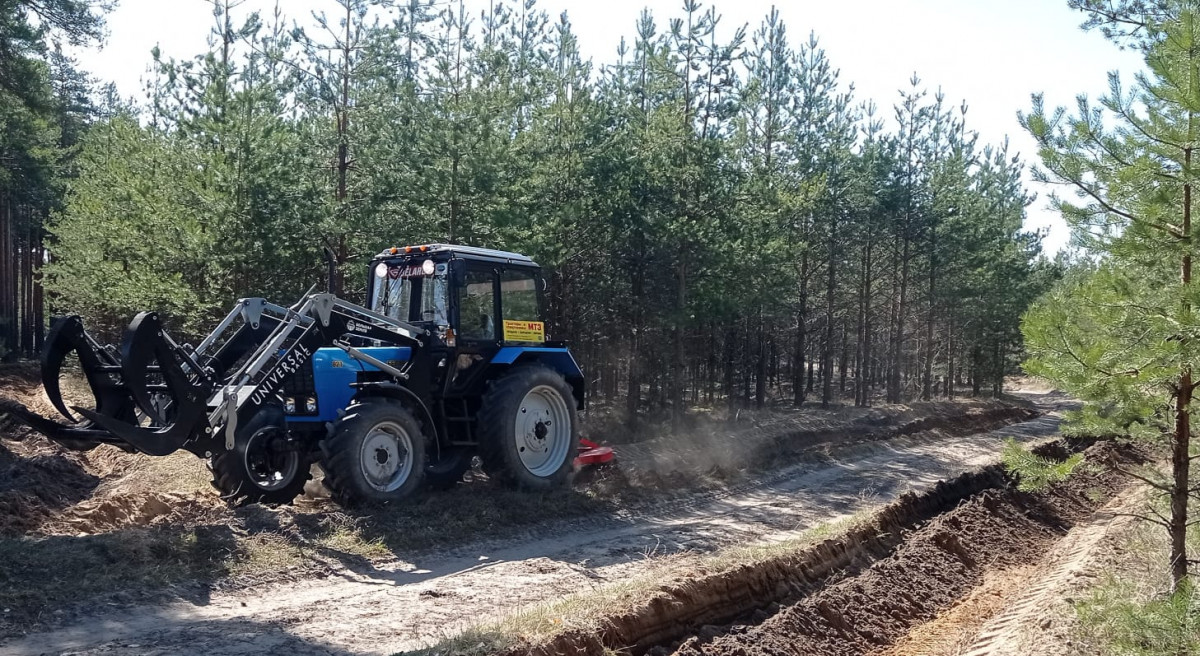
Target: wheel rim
{"type": "Point", "coordinates": [386, 456]}
{"type": "Point", "coordinates": [543, 430]}
{"type": "Point", "coordinates": [270, 468]}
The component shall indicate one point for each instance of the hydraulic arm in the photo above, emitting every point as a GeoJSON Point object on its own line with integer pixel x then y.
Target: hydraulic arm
{"type": "Point", "coordinates": [157, 396]}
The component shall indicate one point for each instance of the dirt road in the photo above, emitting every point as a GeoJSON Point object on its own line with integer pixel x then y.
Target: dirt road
{"type": "Point", "coordinates": [409, 604]}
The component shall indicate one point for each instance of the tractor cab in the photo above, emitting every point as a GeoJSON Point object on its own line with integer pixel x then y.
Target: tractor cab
{"type": "Point", "coordinates": [460, 294]}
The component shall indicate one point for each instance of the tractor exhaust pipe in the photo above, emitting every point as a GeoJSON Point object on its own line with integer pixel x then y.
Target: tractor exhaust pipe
{"type": "Point", "coordinates": [331, 266]}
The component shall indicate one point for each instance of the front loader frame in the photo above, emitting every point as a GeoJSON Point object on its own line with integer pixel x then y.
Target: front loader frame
{"type": "Point", "coordinates": [158, 396]}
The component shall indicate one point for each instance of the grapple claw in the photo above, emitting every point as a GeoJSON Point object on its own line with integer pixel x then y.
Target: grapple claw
{"type": "Point", "coordinates": [154, 441]}
{"type": "Point", "coordinates": [182, 417]}
{"type": "Point", "coordinates": [139, 348]}
{"type": "Point", "coordinates": [100, 368]}
{"type": "Point", "coordinates": [176, 409]}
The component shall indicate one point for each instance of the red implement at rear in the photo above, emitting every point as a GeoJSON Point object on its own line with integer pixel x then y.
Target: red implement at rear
{"type": "Point", "coordinates": [591, 454]}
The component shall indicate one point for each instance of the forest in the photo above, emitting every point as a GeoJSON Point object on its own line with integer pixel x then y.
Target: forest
{"type": "Point", "coordinates": [724, 225]}
{"type": "Point", "coordinates": [720, 218]}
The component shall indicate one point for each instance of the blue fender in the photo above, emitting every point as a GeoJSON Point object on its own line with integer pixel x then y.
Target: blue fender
{"type": "Point", "coordinates": [557, 358]}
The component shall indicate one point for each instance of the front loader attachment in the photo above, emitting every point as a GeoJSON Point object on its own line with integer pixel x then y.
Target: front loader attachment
{"type": "Point", "coordinates": [175, 408]}
{"type": "Point", "coordinates": [99, 364]}
{"type": "Point", "coordinates": [101, 368]}
{"type": "Point", "coordinates": [157, 396]}
{"type": "Point", "coordinates": [131, 410]}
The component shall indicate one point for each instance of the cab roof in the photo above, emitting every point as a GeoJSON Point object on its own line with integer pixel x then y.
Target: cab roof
{"type": "Point", "coordinates": [458, 250]}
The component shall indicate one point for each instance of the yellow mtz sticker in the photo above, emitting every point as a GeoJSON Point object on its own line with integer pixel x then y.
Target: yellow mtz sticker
{"type": "Point", "coordinates": [524, 331]}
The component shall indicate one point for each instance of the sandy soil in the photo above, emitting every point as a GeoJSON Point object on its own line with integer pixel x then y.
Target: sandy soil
{"type": "Point", "coordinates": [937, 564]}
{"type": "Point", "coordinates": [387, 608]}
{"type": "Point", "coordinates": [1020, 628]}
{"type": "Point", "coordinates": [1013, 611]}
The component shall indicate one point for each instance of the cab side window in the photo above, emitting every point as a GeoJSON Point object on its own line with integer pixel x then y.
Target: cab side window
{"type": "Point", "coordinates": [476, 310]}
{"type": "Point", "coordinates": [518, 296]}
{"type": "Point", "coordinates": [519, 305]}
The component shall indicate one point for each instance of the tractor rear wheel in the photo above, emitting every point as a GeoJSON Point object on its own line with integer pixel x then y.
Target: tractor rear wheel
{"type": "Point", "coordinates": [528, 432]}
{"type": "Point", "coordinates": [264, 465]}
{"type": "Point", "coordinates": [376, 453]}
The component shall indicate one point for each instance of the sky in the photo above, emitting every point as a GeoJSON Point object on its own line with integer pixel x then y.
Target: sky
{"type": "Point", "coordinates": [992, 54]}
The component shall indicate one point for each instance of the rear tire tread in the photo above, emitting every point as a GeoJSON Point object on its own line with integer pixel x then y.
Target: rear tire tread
{"type": "Point", "coordinates": [495, 427]}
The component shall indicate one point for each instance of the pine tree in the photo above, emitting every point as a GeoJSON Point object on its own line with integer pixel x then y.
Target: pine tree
{"type": "Point", "coordinates": [1122, 337]}
{"type": "Point", "coordinates": [720, 224]}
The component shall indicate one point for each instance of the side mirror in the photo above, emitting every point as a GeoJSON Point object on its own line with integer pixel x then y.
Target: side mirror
{"type": "Point", "coordinates": [458, 274]}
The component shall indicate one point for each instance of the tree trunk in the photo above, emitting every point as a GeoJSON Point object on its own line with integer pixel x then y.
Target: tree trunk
{"type": "Point", "coordinates": [8, 277]}
{"type": "Point", "coordinates": [1180, 469]}
{"type": "Point", "coordinates": [844, 361]}
{"type": "Point", "coordinates": [830, 289]}
{"type": "Point", "coordinates": [811, 365]}
{"type": "Point", "coordinates": [677, 361]}
{"type": "Point", "coordinates": [633, 390]}
{"type": "Point", "coordinates": [898, 364]}
{"type": "Point", "coordinates": [1181, 447]}
{"type": "Point", "coordinates": [950, 373]}
{"type": "Point", "coordinates": [997, 368]}
{"type": "Point", "coordinates": [863, 365]}
{"type": "Point", "coordinates": [976, 370]}
{"type": "Point", "coordinates": [927, 374]}
{"type": "Point", "coordinates": [760, 378]}
{"type": "Point", "coordinates": [798, 393]}
{"type": "Point", "coordinates": [731, 337]}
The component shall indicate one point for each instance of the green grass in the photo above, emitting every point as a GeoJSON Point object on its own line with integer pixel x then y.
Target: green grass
{"type": "Point", "coordinates": [1124, 621]}
{"type": "Point", "coordinates": [1131, 610]}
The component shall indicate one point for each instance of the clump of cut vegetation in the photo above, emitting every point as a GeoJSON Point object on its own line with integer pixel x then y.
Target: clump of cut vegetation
{"type": "Point", "coordinates": [1034, 472]}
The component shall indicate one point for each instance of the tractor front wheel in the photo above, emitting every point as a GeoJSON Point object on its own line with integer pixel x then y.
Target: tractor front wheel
{"type": "Point", "coordinates": [265, 466]}
{"type": "Point", "coordinates": [376, 453]}
{"type": "Point", "coordinates": [528, 431]}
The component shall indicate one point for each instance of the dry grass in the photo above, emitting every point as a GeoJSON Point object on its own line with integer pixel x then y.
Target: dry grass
{"type": "Point", "coordinates": [45, 573]}
{"type": "Point", "coordinates": [255, 545]}
{"type": "Point", "coordinates": [1130, 610]}
{"type": "Point", "coordinates": [587, 611]}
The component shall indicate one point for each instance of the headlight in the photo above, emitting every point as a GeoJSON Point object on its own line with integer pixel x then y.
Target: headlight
{"type": "Point", "coordinates": [310, 404]}
{"type": "Point", "coordinates": [427, 267]}
{"type": "Point", "coordinates": [289, 406]}
{"type": "Point", "coordinates": [381, 270]}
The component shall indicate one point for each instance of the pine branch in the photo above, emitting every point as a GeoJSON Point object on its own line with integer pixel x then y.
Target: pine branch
{"type": "Point", "coordinates": [1156, 485]}
{"type": "Point", "coordinates": [1135, 121]}
{"type": "Point", "coordinates": [1141, 517]}
{"type": "Point", "coordinates": [1165, 521]}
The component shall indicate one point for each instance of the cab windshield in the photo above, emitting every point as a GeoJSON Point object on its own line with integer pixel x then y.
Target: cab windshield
{"type": "Point", "coordinates": [408, 293]}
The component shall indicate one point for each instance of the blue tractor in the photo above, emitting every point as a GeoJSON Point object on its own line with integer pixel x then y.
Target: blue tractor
{"type": "Point", "coordinates": [448, 360]}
